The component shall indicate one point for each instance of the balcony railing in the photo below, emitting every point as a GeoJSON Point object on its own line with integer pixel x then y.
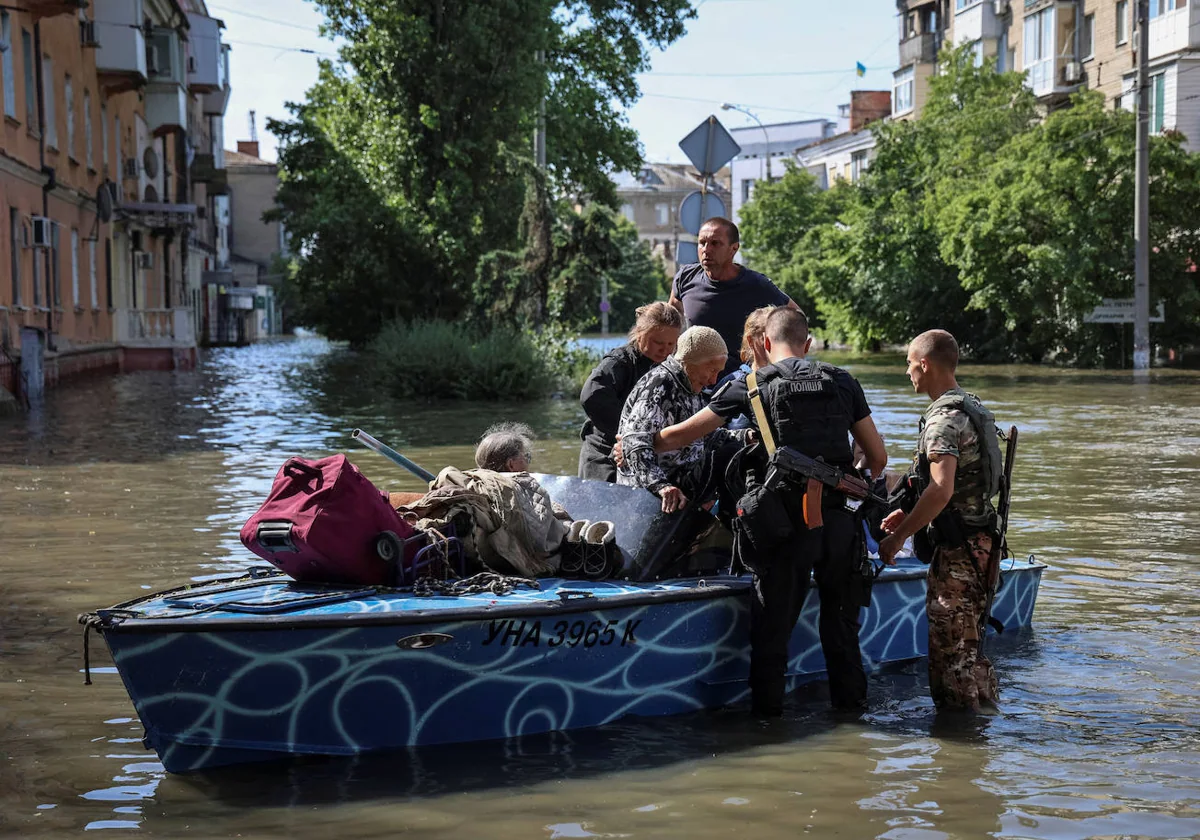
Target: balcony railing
{"type": "Point", "coordinates": [1175, 31]}
{"type": "Point", "coordinates": [155, 327]}
{"type": "Point", "coordinates": [919, 49]}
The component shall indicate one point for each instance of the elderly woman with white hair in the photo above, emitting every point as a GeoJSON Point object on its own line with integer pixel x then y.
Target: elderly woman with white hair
{"type": "Point", "coordinates": [670, 394]}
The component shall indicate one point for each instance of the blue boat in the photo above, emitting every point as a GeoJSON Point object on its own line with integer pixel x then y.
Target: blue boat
{"type": "Point", "coordinates": [259, 666]}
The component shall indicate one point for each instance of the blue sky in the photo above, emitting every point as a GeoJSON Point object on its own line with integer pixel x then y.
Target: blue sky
{"type": "Point", "coordinates": [805, 51]}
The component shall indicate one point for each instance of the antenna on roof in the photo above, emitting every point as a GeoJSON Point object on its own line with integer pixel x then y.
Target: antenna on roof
{"type": "Point", "coordinates": [253, 128]}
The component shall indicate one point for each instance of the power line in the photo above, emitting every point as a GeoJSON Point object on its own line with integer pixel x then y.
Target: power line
{"type": "Point", "coordinates": [280, 47]}
{"type": "Point", "coordinates": [759, 107]}
{"type": "Point", "coordinates": [839, 71]}
{"type": "Point", "coordinates": [266, 19]}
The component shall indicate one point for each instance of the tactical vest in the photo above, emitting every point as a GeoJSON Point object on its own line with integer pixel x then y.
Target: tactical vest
{"type": "Point", "coordinates": [805, 410]}
{"type": "Point", "coordinates": [981, 478]}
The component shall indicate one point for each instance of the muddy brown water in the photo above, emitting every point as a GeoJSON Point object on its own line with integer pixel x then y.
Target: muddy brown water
{"type": "Point", "coordinates": [135, 483]}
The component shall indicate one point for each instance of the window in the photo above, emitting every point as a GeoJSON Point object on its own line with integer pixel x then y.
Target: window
{"type": "Point", "coordinates": [30, 81]}
{"type": "Point", "coordinates": [14, 241]}
{"type": "Point", "coordinates": [747, 189]}
{"type": "Point", "coordinates": [69, 107]}
{"type": "Point", "coordinates": [959, 5]}
{"type": "Point", "coordinates": [902, 91]}
{"type": "Point", "coordinates": [87, 130]}
{"type": "Point", "coordinates": [977, 52]}
{"type": "Point", "coordinates": [1158, 97]}
{"type": "Point", "coordinates": [1161, 7]}
{"type": "Point", "coordinates": [1123, 22]}
{"type": "Point", "coordinates": [37, 278]}
{"type": "Point", "coordinates": [117, 170]}
{"type": "Point", "coordinates": [74, 266]}
{"type": "Point", "coordinates": [1002, 63]}
{"type": "Point", "coordinates": [858, 165]}
{"type": "Point", "coordinates": [48, 102]}
{"type": "Point", "coordinates": [627, 211]}
{"type": "Point", "coordinates": [6, 65]}
{"type": "Point", "coordinates": [1087, 37]}
{"type": "Point", "coordinates": [104, 138]}
{"type": "Point", "coordinates": [55, 276]}
{"type": "Point", "coordinates": [92, 272]}
{"type": "Point", "coordinates": [1039, 50]}
{"type": "Point", "coordinates": [662, 213]}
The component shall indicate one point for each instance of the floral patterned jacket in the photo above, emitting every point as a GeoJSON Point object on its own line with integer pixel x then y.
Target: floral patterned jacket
{"type": "Point", "coordinates": [661, 398]}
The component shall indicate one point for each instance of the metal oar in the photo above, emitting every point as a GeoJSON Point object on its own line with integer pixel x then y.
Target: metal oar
{"type": "Point", "coordinates": [392, 455]}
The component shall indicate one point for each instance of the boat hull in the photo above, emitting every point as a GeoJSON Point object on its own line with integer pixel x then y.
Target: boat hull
{"type": "Point", "coordinates": [257, 668]}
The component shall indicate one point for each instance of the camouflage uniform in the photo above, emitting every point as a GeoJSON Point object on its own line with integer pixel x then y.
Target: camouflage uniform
{"type": "Point", "coordinates": [960, 676]}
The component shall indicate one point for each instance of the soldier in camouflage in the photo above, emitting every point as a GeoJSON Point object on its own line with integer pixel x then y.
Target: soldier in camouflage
{"type": "Point", "coordinates": [960, 474]}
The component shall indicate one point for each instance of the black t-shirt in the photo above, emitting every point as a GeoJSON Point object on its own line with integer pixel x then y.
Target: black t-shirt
{"type": "Point", "coordinates": [733, 398]}
{"type": "Point", "coordinates": [724, 305]}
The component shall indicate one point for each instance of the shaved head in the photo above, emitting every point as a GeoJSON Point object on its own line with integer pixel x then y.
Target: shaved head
{"type": "Point", "coordinates": [937, 346]}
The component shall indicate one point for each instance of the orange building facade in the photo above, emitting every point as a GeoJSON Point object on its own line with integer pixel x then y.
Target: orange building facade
{"type": "Point", "coordinates": [107, 184]}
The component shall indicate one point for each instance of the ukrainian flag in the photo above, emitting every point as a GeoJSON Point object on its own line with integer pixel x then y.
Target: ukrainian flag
{"type": "Point", "coordinates": [860, 69]}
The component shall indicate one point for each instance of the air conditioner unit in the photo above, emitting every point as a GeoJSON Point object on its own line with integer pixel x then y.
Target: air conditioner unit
{"type": "Point", "coordinates": [1073, 72]}
{"type": "Point", "coordinates": [1001, 8]}
{"type": "Point", "coordinates": [43, 232]}
{"type": "Point", "coordinates": [87, 33]}
{"type": "Point", "coordinates": [145, 259]}
{"type": "Point", "coordinates": [131, 169]}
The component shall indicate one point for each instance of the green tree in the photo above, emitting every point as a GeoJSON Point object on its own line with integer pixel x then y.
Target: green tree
{"type": "Point", "coordinates": [404, 141]}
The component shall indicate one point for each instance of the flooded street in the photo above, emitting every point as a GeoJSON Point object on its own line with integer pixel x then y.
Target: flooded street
{"type": "Point", "coordinates": [129, 484]}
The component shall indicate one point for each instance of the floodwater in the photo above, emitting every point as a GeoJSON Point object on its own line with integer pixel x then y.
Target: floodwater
{"type": "Point", "coordinates": [140, 482]}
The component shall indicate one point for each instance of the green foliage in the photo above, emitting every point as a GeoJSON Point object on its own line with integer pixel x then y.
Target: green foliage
{"type": "Point", "coordinates": [987, 219]}
{"type": "Point", "coordinates": [396, 187]}
{"type": "Point", "coordinates": [449, 360]}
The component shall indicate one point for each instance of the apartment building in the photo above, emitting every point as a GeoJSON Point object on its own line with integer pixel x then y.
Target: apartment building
{"type": "Point", "coordinates": [847, 155]}
{"type": "Point", "coordinates": [96, 193]}
{"type": "Point", "coordinates": [765, 148]}
{"type": "Point", "coordinates": [1062, 46]}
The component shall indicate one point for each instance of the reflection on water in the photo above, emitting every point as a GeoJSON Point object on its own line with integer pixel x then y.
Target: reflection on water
{"type": "Point", "coordinates": [139, 482]}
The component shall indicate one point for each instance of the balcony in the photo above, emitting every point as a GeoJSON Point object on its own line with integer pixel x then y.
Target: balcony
{"type": "Point", "coordinates": [214, 103]}
{"type": "Point", "coordinates": [919, 49]}
{"type": "Point", "coordinates": [977, 22]}
{"type": "Point", "coordinates": [204, 54]}
{"type": "Point", "coordinates": [1048, 47]}
{"type": "Point", "coordinates": [166, 94]}
{"type": "Point", "coordinates": [205, 171]}
{"type": "Point", "coordinates": [50, 8]}
{"type": "Point", "coordinates": [1175, 31]}
{"type": "Point", "coordinates": [121, 54]}
{"type": "Point", "coordinates": [155, 327]}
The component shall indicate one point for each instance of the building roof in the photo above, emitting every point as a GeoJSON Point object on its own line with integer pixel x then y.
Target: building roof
{"type": "Point", "coordinates": [664, 177]}
{"type": "Point", "coordinates": [233, 158]}
{"type": "Point", "coordinates": [863, 138]}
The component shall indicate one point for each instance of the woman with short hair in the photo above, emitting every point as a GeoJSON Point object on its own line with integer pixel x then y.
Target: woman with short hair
{"type": "Point", "coordinates": [652, 339]}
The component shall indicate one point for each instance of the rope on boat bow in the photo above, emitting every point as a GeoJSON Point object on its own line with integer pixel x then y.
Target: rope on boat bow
{"type": "Point", "coordinates": [496, 584]}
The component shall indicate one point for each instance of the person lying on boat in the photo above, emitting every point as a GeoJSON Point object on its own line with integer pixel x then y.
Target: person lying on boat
{"type": "Point", "coordinates": [669, 394]}
{"type": "Point", "coordinates": [512, 524]}
{"type": "Point", "coordinates": [652, 339]}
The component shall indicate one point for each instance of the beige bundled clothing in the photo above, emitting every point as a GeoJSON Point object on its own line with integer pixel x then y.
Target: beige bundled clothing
{"type": "Point", "coordinates": [516, 524]}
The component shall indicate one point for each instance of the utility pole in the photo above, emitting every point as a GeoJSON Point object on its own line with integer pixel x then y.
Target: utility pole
{"type": "Point", "coordinates": [1141, 199]}
{"type": "Point", "coordinates": [539, 135]}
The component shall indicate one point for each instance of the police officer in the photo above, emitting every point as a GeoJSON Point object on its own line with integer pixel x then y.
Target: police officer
{"type": "Point", "coordinates": [957, 472]}
{"type": "Point", "coordinates": [816, 408]}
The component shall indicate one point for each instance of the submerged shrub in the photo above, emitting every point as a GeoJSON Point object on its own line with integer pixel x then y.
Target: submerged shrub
{"type": "Point", "coordinates": [447, 360]}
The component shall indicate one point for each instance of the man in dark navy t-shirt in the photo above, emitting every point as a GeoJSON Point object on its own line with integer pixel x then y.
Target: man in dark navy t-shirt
{"type": "Point", "coordinates": [717, 292]}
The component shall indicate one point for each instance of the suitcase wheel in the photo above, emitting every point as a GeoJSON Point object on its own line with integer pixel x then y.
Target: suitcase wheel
{"type": "Point", "coordinates": [389, 547]}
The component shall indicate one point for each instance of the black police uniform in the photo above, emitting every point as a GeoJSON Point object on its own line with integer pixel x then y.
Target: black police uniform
{"type": "Point", "coordinates": [810, 406]}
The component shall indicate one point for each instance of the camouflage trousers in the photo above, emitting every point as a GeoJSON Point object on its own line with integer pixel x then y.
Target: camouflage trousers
{"type": "Point", "coordinates": [960, 676]}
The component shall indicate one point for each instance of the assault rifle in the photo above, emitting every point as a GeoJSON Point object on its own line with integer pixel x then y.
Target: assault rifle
{"type": "Point", "coordinates": [815, 475]}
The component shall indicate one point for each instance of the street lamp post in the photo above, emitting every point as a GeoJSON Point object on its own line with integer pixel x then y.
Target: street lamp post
{"type": "Point", "coordinates": [729, 106]}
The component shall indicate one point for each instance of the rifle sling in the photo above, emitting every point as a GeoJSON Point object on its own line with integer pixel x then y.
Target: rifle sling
{"type": "Point", "coordinates": [760, 414]}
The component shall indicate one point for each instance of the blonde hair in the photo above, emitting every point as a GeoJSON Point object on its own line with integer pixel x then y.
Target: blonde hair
{"type": "Point", "coordinates": [652, 316]}
{"type": "Point", "coordinates": [755, 329]}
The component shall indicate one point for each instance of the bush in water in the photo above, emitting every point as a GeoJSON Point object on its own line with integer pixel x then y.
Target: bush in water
{"type": "Point", "coordinates": [446, 360]}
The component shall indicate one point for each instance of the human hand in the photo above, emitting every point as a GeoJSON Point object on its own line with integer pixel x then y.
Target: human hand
{"type": "Point", "coordinates": [888, 548]}
{"type": "Point", "coordinates": [672, 499]}
{"type": "Point", "coordinates": [892, 521]}
{"type": "Point", "coordinates": [617, 454]}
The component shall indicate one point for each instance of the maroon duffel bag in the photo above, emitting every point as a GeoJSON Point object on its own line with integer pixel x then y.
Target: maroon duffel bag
{"type": "Point", "coordinates": [324, 522]}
